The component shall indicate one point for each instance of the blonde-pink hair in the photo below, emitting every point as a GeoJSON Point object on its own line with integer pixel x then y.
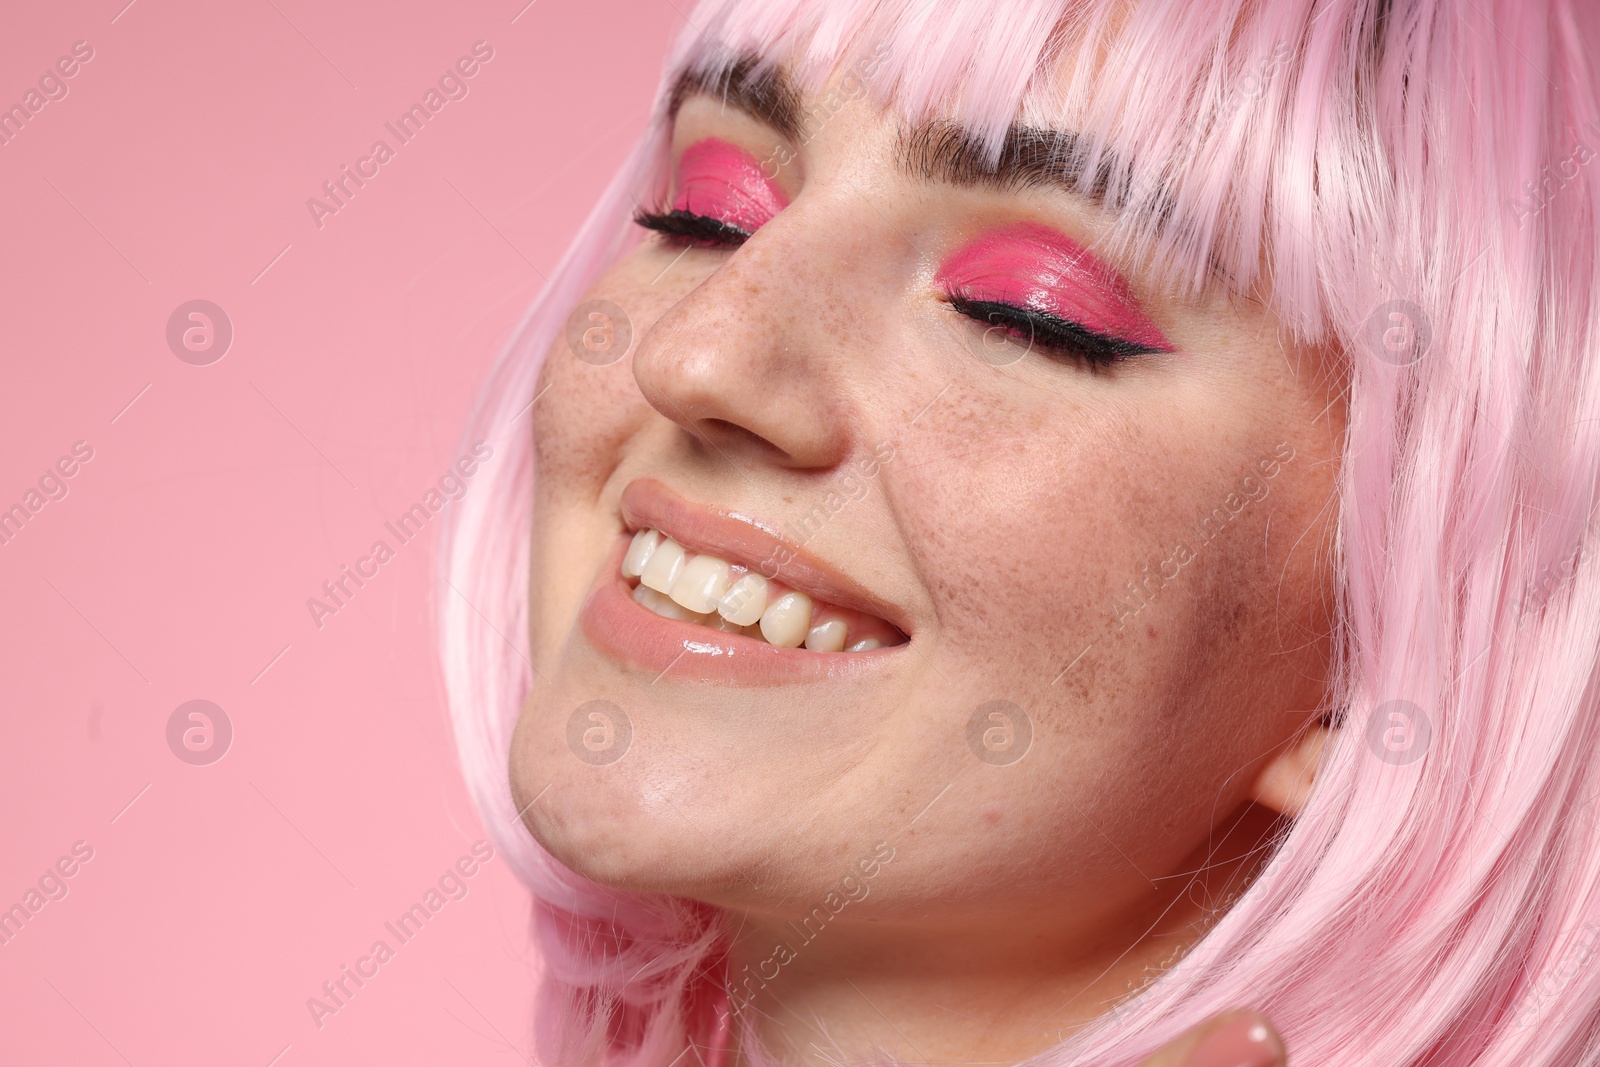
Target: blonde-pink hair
{"type": "Point", "coordinates": [1405, 181]}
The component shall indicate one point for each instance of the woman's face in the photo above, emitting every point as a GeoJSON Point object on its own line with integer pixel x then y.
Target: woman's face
{"type": "Point", "coordinates": [1101, 589]}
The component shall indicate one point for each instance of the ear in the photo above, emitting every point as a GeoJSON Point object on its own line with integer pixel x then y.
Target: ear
{"type": "Point", "coordinates": [1285, 782]}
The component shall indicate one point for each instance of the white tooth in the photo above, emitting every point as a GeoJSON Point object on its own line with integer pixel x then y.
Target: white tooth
{"type": "Point", "coordinates": [744, 602]}
{"type": "Point", "coordinates": [866, 644]}
{"type": "Point", "coordinates": [829, 637]}
{"type": "Point", "coordinates": [786, 620]}
{"type": "Point", "coordinates": [700, 584]}
{"type": "Point", "coordinates": [639, 552]}
{"type": "Point", "coordinates": [665, 563]}
{"type": "Point", "coordinates": [665, 606]}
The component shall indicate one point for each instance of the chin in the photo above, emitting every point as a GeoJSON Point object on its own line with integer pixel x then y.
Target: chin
{"type": "Point", "coordinates": [611, 823]}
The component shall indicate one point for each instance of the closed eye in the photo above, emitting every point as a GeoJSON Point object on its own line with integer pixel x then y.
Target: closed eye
{"type": "Point", "coordinates": [686, 227]}
{"type": "Point", "coordinates": [1058, 337]}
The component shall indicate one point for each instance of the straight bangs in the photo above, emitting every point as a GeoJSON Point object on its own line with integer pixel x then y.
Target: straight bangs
{"type": "Point", "coordinates": [1402, 181]}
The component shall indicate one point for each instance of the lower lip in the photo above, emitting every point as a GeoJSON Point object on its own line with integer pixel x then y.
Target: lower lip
{"type": "Point", "coordinates": [674, 650]}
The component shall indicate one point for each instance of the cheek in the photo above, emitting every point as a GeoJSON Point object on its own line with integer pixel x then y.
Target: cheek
{"type": "Point", "coordinates": [1072, 574]}
{"type": "Point", "coordinates": [1145, 706]}
{"type": "Point", "coordinates": [1025, 539]}
{"type": "Point", "coordinates": [587, 410]}
{"type": "Point", "coordinates": [581, 419]}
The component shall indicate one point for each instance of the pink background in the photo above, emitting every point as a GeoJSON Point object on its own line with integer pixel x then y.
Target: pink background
{"type": "Point", "coordinates": [221, 497]}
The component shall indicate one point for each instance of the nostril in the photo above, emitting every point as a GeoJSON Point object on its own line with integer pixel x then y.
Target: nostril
{"type": "Point", "coordinates": [723, 432]}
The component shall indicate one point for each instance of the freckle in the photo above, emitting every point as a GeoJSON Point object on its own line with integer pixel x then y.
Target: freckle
{"type": "Point", "coordinates": [991, 817]}
{"type": "Point", "coordinates": [1151, 631]}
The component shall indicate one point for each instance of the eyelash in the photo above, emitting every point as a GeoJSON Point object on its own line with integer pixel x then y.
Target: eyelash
{"type": "Point", "coordinates": [685, 227]}
{"type": "Point", "coordinates": [1059, 338]}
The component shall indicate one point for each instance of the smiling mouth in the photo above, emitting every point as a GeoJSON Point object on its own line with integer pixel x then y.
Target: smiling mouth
{"type": "Point", "coordinates": [731, 597]}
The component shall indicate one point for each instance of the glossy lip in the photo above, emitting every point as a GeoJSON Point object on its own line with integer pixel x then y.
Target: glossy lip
{"type": "Point", "coordinates": [684, 651]}
{"type": "Point", "coordinates": [743, 539]}
{"type": "Point", "coordinates": [1035, 267]}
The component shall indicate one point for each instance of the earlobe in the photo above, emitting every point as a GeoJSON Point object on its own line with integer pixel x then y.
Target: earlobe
{"type": "Point", "coordinates": [1285, 782]}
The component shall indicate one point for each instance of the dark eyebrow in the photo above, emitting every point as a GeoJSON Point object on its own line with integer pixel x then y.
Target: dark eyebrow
{"type": "Point", "coordinates": [939, 150]}
{"type": "Point", "coordinates": [768, 94]}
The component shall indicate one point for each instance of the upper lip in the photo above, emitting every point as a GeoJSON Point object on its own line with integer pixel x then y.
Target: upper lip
{"type": "Point", "coordinates": [744, 539]}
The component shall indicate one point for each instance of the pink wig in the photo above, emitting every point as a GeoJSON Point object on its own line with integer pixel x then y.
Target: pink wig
{"type": "Point", "coordinates": [1404, 181]}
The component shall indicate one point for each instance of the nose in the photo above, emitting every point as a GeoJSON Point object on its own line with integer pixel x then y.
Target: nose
{"type": "Point", "coordinates": [752, 360]}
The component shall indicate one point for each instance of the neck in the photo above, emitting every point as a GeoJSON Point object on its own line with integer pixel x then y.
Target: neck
{"type": "Point", "coordinates": [982, 989]}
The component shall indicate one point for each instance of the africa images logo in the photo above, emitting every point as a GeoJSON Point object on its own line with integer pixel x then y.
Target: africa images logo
{"type": "Point", "coordinates": [451, 886]}
{"type": "Point", "coordinates": [52, 86]}
{"type": "Point", "coordinates": [452, 85]}
{"type": "Point", "coordinates": [341, 589]}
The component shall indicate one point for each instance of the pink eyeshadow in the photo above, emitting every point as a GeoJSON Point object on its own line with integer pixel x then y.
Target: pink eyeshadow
{"type": "Point", "coordinates": [1035, 267]}
{"type": "Point", "coordinates": [723, 182]}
